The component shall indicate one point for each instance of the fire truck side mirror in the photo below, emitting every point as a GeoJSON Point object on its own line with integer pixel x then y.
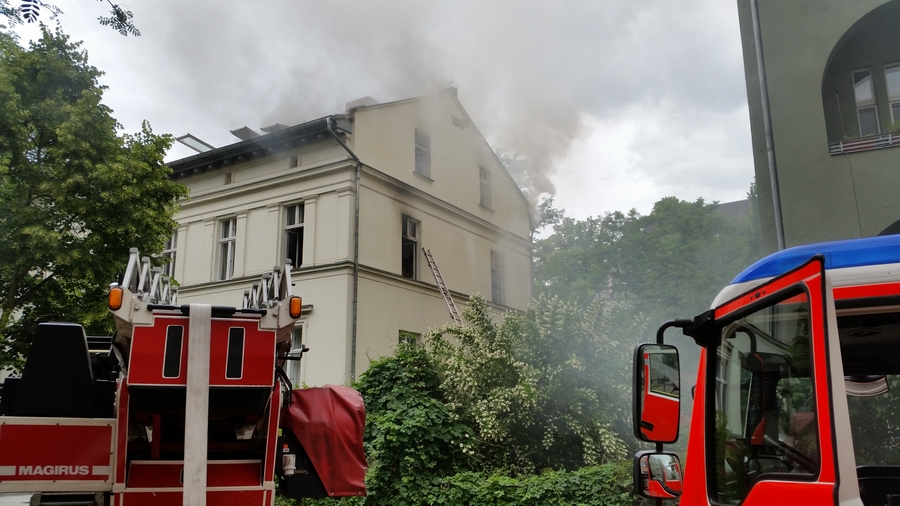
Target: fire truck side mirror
{"type": "Point", "coordinates": [657, 393]}
{"type": "Point", "coordinates": [657, 475]}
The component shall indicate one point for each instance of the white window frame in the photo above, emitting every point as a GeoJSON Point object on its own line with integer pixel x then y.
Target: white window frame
{"type": "Point", "coordinates": [297, 212]}
{"type": "Point", "coordinates": [893, 98]}
{"type": "Point", "coordinates": [227, 245]}
{"type": "Point", "coordinates": [498, 278]}
{"type": "Point", "coordinates": [406, 336]}
{"type": "Point", "coordinates": [294, 368]}
{"type": "Point", "coordinates": [484, 187]}
{"type": "Point", "coordinates": [866, 104]}
{"type": "Point", "coordinates": [410, 232]}
{"type": "Point", "coordinates": [422, 159]}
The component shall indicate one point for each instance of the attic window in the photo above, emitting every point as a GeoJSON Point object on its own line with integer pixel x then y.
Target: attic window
{"type": "Point", "coordinates": [293, 161]}
{"type": "Point", "coordinates": [423, 154]}
{"type": "Point", "coordinates": [228, 177]}
{"type": "Point", "coordinates": [484, 187]}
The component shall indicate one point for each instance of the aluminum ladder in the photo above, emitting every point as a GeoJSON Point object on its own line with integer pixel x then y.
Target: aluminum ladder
{"type": "Point", "coordinates": [454, 313]}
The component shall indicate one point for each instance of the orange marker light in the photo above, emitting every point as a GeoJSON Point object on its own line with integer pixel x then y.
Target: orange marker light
{"type": "Point", "coordinates": [115, 298]}
{"type": "Point", "coordinates": [296, 306]}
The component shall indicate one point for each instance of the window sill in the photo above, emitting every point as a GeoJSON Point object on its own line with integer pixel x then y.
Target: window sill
{"type": "Point", "coordinates": [423, 176]}
{"type": "Point", "coordinates": [868, 143]}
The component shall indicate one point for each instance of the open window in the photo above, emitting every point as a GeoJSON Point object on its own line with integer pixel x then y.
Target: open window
{"type": "Point", "coordinates": [766, 418]}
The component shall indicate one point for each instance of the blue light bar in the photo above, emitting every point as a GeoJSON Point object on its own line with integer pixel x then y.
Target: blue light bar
{"type": "Point", "coordinates": [838, 255]}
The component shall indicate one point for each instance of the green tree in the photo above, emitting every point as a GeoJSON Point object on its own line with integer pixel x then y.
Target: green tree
{"type": "Point", "coordinates": [17, 12]}
{"type": "Point", "coordinates": [669, 263]}
{"type": "Point", "coordinates": [74, 194]}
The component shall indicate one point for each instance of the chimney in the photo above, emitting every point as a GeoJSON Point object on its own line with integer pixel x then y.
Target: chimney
{"type": "Point", "coordinates": [361, 102]}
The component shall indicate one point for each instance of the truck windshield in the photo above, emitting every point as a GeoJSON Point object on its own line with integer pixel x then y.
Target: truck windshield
{"type": "Point", "coordinates": [870, 351]}
{"type": "Point", "coordinates": [765, 417]}
{"type": "Point", "coordinates": [875, 425]}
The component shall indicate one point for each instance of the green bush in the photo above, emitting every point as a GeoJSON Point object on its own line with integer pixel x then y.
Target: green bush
{"type": "Point", "coordinates": [518, 412]}
{"type": "Point", "coordinates": [604, 485]}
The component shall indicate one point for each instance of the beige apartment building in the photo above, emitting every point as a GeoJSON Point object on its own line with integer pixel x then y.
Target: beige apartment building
{"type": "Point", "coordinates": [351, 200]}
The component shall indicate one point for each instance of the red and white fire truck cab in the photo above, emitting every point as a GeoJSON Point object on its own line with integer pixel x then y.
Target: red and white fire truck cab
{"type": "Point", "coordinates": [186, 404]}
{"type": "Point", "coordinates": [793, 401]}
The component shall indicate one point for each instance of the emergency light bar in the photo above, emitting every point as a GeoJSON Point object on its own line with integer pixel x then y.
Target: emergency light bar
{"type": "Point", "coordinates": [838, 255]}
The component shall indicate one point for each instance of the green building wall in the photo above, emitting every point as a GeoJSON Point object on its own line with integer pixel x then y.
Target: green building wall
{"type": "Point", "coordinates": [811, 48]}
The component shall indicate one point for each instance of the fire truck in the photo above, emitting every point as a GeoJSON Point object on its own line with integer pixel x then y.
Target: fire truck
{"type": "Point", "coordinates": [185, 404]}
{"type": "Point", "coordinates": [792, 403]}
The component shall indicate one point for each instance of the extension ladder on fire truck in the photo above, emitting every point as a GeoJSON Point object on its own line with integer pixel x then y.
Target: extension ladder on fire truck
{"type": "Point", "coordinates": [454, 313]}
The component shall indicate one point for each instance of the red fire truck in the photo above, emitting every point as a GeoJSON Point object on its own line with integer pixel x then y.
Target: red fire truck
{"type": "Point", "coordinates": [185, 404]}
{"type": "Point", "coordinates": [792, 402]}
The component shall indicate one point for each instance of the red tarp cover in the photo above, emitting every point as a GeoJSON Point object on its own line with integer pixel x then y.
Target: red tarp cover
{"type": "Point", "coordinates": [329, 423]}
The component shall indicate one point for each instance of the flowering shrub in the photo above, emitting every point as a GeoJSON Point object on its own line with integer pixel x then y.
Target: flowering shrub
{"type": "Point", "coordinates": [540, 389]}
{"type": "Point", "coordinates": [525, 411]}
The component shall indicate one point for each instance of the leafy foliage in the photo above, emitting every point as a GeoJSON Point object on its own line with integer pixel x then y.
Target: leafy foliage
{"type": "Point", "coordinates": [29, 11]}
{"type": "Point", "coordinates": [540, 389]}
{"type": "Point", "coordinates": [411, 435]}
{"type": "Point", "coordinates": [74, 195]}
{"type": "Point", "coordinates": [120, 21]}
{"type": "Point", "coordinates": [516, 412]}
{"type": "Point", "coordinates": [604, 485]}
{"type": "Point", "coordinates": [668, 263]}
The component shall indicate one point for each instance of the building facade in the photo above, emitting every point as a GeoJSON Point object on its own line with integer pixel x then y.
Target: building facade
{"type": "Point", "coordinates": [351, 200]}
{"type": "Point", "coordinates": [832, 75]}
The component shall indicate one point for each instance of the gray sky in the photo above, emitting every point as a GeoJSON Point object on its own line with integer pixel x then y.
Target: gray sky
{"type": "Point", "coordinates": [618, 102]}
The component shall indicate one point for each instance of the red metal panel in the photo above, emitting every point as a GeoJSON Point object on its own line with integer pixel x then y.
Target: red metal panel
{"type": "Point", "coordinates": [865, 291]}
{"type": "Point", "coordinates": [236, 498]}
{"type": "Point", "coordinates": [786, 493]}
{"type": "Point", "coordinates": [155, 475]}
{"type": "Point", "coordinates": [259, 353]}
{"type": "Point", "coordinates": [121, 433]}
{"type": "Point", "coordinates": [152, 499]}
{"type": "Point", "coordinates": [46, 451]}
{"type": "Point", "coordinates": [167, 475]}
{"type": "Point", "coordinates": [695, 462]}
{"type": "Point", "coordinates": [234, 474]}
{"type": "Point", "coordinates": [272, 434]}
{"type": "Point", "coordinates": [800, 274]}
{"type": "Point", "coordinates": [213, 498]}
{"type": "Point", "coordinates": [657, 409]}
{"type": "Point", "coordinates": [148, 345]}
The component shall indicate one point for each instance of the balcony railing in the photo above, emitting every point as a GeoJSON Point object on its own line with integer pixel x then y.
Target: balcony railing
{"type": "Point", "coordinates": [888, 140]}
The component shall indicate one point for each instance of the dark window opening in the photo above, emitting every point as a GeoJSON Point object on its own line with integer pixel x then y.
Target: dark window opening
{"type": "Point", "coordinates": [234, 362]}
{"type": "Point", "coordinates": [293, 234]}
{"type": "Point", "coordinates": [172, 352]}
{"type": "Point", "coordinates": [496, 278]}
{"type": "Point", "coordinates": [409, 248]}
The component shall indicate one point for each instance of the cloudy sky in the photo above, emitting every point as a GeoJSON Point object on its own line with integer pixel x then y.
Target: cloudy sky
{"type": "Point", "coordinates": [618, 102]}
